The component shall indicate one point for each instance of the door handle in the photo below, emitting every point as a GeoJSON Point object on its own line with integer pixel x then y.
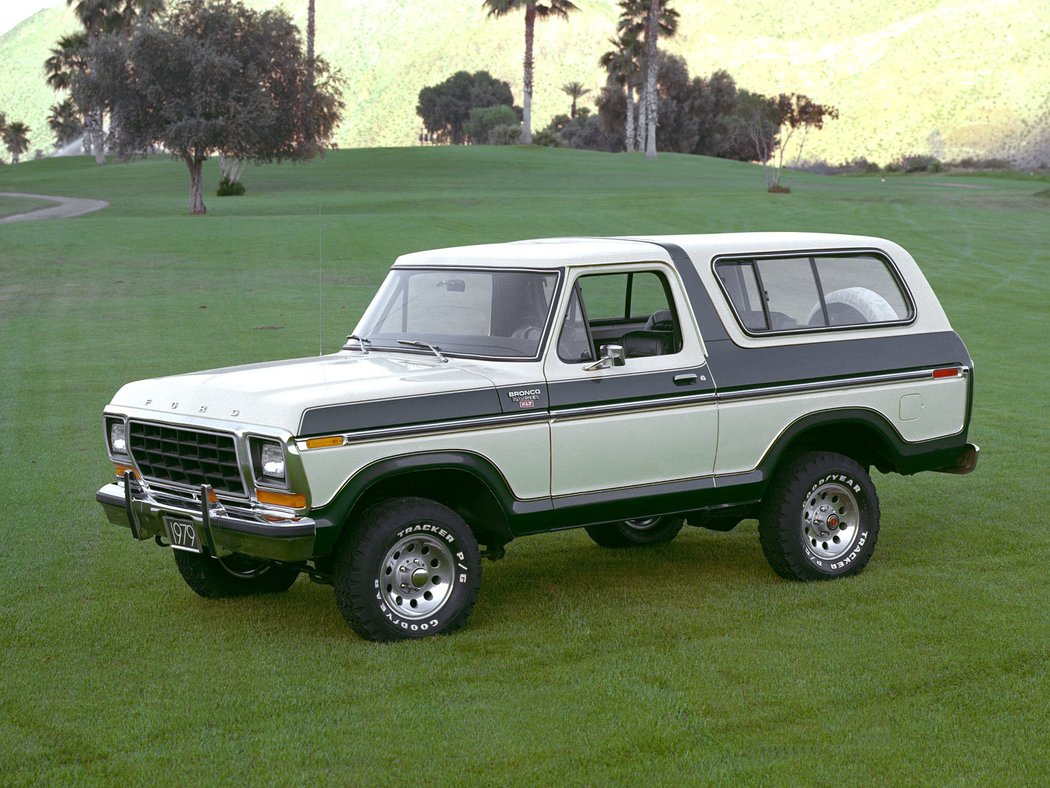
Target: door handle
{"type": "Point", "coordinates": [688, 379]}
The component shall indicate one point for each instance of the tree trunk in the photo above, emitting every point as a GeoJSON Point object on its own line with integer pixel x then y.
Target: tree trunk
{"type": "Point", "coordinates": [93, 131]}
{"type": "Point", "coordinates": [651, 32]}
{"type": "Point", "coordinates": [530, 30]}
{"type": "Point", "coordinates": [629, 129]}
{"type": "Point", "coordinates": [196, 167]}
{"type": "Point", "coordinates": [640, 126]}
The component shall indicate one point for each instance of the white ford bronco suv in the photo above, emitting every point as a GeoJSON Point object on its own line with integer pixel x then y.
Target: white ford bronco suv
{"type": "Point", "coordinates": [624, 385]}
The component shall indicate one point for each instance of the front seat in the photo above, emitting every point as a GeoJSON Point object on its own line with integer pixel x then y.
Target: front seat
{"type": "Point", "coordinates": [661, 320]}
{"type": "Point", "coordinates": [646, 343]}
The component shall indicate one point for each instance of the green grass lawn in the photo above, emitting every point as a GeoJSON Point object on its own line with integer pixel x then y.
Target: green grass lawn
{"type": "Point", "coordinates": [688, 663]}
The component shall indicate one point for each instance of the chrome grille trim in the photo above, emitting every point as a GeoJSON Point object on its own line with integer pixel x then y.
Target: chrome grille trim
{"type": "Point", "coordinates": [186, 457]}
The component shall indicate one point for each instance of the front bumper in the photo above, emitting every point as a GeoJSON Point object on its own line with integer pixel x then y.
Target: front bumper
{"type": "Point", "coordinates": [133, 506]}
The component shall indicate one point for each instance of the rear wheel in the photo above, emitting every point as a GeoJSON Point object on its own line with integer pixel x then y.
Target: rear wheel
{"type": "Point", "coordinates": [234, 575]}
{"type": "Point", "coordinates": [634, 533]}
{"type": "Point", "coordinates": [820, 518]}
{"type": "Point", "coordinates": [411, 568]}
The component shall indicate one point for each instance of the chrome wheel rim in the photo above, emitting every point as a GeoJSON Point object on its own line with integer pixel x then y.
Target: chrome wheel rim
{"type": "Point", "coordinates": [830, 521]}
{"type": "Point", "coordinates": [644, 524]}
{"type": "Point", "coordinates": [416, 576]}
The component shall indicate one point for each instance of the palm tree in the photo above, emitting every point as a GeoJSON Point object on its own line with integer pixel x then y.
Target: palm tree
{"type": "Point", "coordinates": [16, 139]}
{"type": "Point", "coordinates": [621, 64]}
{"type": "Point", "coordinates": [123, 15]}
{"type": "Point", "coordinates": [649, 18]}
{"type": "Point", "coordinates": [67, 57]}
{"type": "Point", "coordinates": [575, 91]}
{"type": "Point", "coordinates": [533, 9]}
{"type": "Point", "coordinates": [65, 122]}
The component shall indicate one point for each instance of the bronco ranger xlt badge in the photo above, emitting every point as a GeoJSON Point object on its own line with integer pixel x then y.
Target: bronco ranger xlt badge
{"type": "Point", "coordinates": [624, 385]}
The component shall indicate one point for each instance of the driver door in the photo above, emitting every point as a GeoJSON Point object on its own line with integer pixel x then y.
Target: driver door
{"type": "Point", "coordinates": [650, 421]}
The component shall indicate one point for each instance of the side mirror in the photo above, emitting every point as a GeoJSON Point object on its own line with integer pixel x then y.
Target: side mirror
{"type": "Point", "coordinates": [612, 356]}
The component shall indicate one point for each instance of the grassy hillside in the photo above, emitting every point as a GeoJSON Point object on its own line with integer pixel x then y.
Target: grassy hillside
{"type": "Point", "coordinates": [949, 77]}
{"type": "Point", "coordinates": [689, 663]}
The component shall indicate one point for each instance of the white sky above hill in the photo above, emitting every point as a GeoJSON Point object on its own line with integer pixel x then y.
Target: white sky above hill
{"type": "Point", "coordinates": [14, 11]}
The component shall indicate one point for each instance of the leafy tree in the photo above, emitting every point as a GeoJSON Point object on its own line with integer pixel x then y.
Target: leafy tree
{"type": "Point", "coordinates": [533, 9]}
{"type": "Point", "coordinates": [621, 64]}
{"type": "Point", "coordinates": [65, 122]}
{"type": "Point", "coordinates": [311, 32]}
{"type": "Point", "coordinates": [715, 102]}
{"type": "Point", "coordinates": [649, 19]}
{"type": "Point", "coordinates": [212, 77]}
{"type": "Point", "coordinates": [585, 131]}
{"type": "Point", "coordinates": [575, 91]}
{"type": "Point", "coordinates": [445, 108]}
{"type": "Point", "coordinates": [680, 106]}
{"type": "Point", "coordinates": [98, 18]}
{"type": "Point", "coordinates": [483, 120]}
{"type": "Point", "coordinates": [755, 126]}
{"type": "Point", "coordinates": [771, 123]}
{"type": "Point", "coordinates": [678, 103]}
{"type": "Point", "coordinates": [16, 139]}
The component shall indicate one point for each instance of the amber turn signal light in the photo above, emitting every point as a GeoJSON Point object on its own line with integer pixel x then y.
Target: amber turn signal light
{"type": "Point", "coordinates": [321, 443]}
{"type": "Point", "coordinates": [292, 500]}
{"type": "Point", "coordinates": [122, 469]}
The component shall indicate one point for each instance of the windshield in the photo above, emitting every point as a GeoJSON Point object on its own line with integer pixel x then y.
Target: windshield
{"type": "Point", "coordinates": [461, 311]}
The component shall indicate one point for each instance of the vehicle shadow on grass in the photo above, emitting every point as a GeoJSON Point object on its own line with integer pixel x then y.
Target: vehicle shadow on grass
{"type": "Point", "coordinates": [569, 572]}
{"type": "Point", "coordinates": [539, 580]}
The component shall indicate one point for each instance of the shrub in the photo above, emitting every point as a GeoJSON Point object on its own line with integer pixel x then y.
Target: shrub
{"type": "Point", "coordinates": [920, 162]}
{"type": "Point", "coordinates": [484, 120]}
{"type": "Point", "coordinates": [505, 134]}
{"type": "Point", "coordinates": [779, 188]}
{"type": "Point", "coordinates": [546, 138]}
{"type": "Point", "coordinates": [228, 188]}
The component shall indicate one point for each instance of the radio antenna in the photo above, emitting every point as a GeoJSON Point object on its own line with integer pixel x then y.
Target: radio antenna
{"type": "Point", "coordinates": [320, 288]}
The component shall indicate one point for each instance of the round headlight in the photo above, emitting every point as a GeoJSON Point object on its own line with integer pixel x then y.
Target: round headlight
{"type": "Point", "coordinates": [272, 461]}
{"type": "Point", "coordinates": [118, 442]}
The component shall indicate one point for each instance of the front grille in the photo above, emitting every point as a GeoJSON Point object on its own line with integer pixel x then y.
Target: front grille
{"type": "Point", "coordinates": [185, 456]}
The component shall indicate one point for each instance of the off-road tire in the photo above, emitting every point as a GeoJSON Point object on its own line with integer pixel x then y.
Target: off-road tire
{"type": "Point", "coordinates": [235, 575]}
{"type": "Point", "coordinates": [820, 518]}
{"type": "Point", "coordinates": [636, 533]}
{"type": "Point", "coordinates": [410, 568]}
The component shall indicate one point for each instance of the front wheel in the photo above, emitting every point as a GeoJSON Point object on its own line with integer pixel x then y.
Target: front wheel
{"type": "Point", "coordinates": [820, 518]}
{"type": "Point", "coordinates": [234, 575]}
{"type": "Point", "coordinates": [411, 568]}
{"type": "Point", "coordinates": [634, 533]}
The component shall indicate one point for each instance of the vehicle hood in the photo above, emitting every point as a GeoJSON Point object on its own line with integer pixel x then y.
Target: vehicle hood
{"type": "Point", "coordinates": [277, 394]}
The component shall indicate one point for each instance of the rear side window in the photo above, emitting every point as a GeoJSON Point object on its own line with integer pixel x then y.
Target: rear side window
{"type": "Point", "coordinates": [803, 293]}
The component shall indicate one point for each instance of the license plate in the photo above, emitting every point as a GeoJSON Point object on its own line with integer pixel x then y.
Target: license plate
{"type": "Point", "coordinates": [184, 535]}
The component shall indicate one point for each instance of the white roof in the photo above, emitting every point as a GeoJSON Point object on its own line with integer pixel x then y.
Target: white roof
{"type": "Point", "coordinates": [558, 252]}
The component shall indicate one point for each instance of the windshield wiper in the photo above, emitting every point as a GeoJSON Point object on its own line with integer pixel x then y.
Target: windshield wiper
{"type": "Point", "coordinates": [432, 348]}
{"type": "Point", "coordinates": [364, 343]}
